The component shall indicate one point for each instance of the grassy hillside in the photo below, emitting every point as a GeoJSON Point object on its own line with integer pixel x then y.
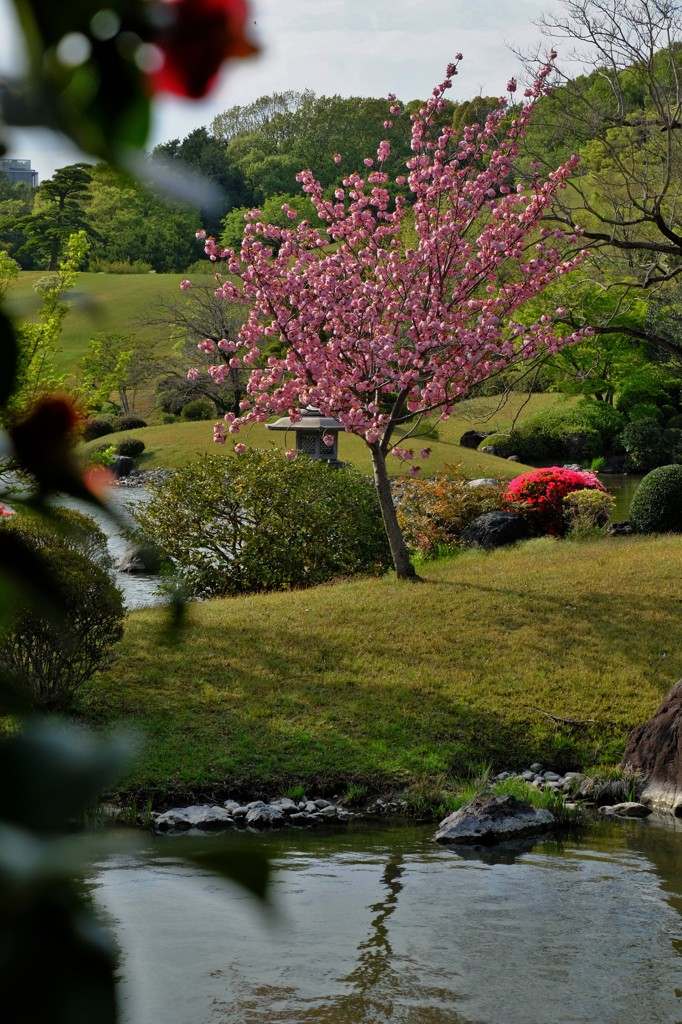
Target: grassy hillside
{"type": "Point", "coordinates": [175, 444]}
{"type": "Point", "coordinates": [551, 651]}
{"type": "Point", "coordinates": [99, 303]}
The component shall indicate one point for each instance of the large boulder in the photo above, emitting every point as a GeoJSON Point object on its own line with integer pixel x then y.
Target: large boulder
{"type": "Point", "coordinates": [472, 438]}
{"type": "Point", "coordinates": [494, 530]}
{"type": "Point", "coordinates": [493, 819]}
{"type": "Point", "coordinates": [654, 751]}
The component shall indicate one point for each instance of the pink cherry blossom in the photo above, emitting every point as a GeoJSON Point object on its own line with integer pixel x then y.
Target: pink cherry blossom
{"type": "Point", "coordinates": [291, 453]}
{"type": "Point", "coordinates": [328, 440]}
{"type": "Point", "coordinates": [185, 284]}
{"type": "Point", "coordinates": [200, 234]}
{"type": "Point", "coordinates": [239, 449]}
{"type": "Point", "coordinates": [194, 374]}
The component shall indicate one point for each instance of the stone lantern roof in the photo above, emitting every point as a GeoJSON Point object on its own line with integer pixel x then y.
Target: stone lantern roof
{"type": "Point", "coordinates": [310, 431]}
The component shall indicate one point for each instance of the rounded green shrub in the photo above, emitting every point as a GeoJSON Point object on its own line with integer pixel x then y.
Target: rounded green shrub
{"type": "Point", "coordinates": [645, 444]}
{"type": "Point", "coordinates": [130, 446]}
{"type": "Point", "coordinates": [657, 504]}
{"type": "Point", "coordinates": [97, 426]}
{"type": "Point", "coordinates": [638, 392]}
{"type": "Point", "coordinates": [260, 521]}
{"type": "Point", "coordinates": [198, 409]}
{"type": "Point", "coordinates": [46, 660]}
{"type": "Point", "coordinates": [675, 422]}
{"type": "Point", "coordinates": [646, 411]}
{"type": "Point", "coordinates": [504, 443]}
{"type": "Point", "coordinates": [129, 423]}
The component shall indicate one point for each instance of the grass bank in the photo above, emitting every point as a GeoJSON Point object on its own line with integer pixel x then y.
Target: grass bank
{"type": "Point", "coordinates": [173, 445]}
{"type": "Point", "coordinates": [550, 651]}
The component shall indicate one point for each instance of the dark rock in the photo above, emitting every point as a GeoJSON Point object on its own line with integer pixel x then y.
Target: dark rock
{"type": "Point", "coordinates": [139, 560]}
{"type": "Point", "coordinates": [488, 819]}
{"type": "Point", "coordinates": [654, 752]}
{"type": "Point", "coordinates": [616, 464]}
{"type": "Point", "coordinates": [494, 530]}
{"type": "Point", "coordinates": [121, 466]}
{"type": "Point", "coordinates": [261, 815]}
{"type": "Point", "coordinates": [490, 449]}
{"type": "Point", "coordinates": [472, 438]}
{"type": "Point", "coordinates": [631, 809]}
{"type": "Point", "coordinates": [513, 458]}
{"type": "Point", "coordinates": [624, 529]}
{"type": "Point", "coordinates": [200, 816]}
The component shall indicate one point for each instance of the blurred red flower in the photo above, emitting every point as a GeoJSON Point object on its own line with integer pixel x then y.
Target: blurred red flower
{"type": "Point", "coordinates": [198, 35]}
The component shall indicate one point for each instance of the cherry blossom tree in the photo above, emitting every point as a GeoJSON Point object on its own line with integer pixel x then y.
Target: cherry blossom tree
{"type": "Point", "coordinates": [391, 311]}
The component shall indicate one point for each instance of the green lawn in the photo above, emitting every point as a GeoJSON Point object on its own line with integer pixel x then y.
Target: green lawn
{"type": "Point", "coordinates": [388, 684]}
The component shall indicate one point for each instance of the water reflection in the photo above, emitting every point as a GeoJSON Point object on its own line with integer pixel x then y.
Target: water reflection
{"type": "Point", "coordinates": [379, 927]}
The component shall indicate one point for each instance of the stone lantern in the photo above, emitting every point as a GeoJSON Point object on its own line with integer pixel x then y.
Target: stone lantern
{"type": "Point", "coordinates": [310, 431]}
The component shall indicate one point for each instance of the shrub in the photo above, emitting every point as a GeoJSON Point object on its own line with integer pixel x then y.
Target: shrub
{"type": "Point", "coordinates": [198, 409]}
{"type": "Point", "coordinates": [645, 444]}
{"type": "Point", "coordinates": [574, 433]}
{"type": "Point", "coordinates": [586, 510]}
{"type": "Point", "coordinates": [260, 521]}
{"type": "Point", "coordinates": [169, 417]}
{"type": "Point", "coordinates": [121, 267]}
{"type": "Point", "coordinates": [46, 662]}
{"type": "Point", "coordinates": [504, 443]}
{"type": "Point", "coordinates": [97, 426]}
{"type": "Point", "coordinates": [657, 503]}
{"type": "Point", "coordinates": [433, 512]}
{"type": "Point", "coordinates": [101, 455]}
{"type": "Point", "coordinates": [130, 446]}
{"type": "Point", "coordinates": [641, 391]}
{"type": "Point", "coordinates": [646, 411]}
{"type": "Point", "coordinates": [539, 496]}
{"type": "Point", "coordinates": [129, 423]}
{"type": "Point", "coordinates": [675, 422]}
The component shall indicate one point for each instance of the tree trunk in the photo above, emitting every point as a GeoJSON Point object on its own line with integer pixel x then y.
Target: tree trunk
{"type": "Point", "coordinates": [401, 558]}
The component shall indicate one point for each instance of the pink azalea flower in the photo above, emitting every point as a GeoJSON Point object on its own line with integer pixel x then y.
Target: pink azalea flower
{"type": "Point", "coordinates": [5, 511]}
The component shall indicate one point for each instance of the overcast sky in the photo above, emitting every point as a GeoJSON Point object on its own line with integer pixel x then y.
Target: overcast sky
{"type": "Point", "coordinates": [349, 47]}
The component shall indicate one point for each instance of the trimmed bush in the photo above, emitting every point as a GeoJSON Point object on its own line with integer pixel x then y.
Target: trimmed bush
{"type": "Point", "coordinates": [129, 423]}
{"type": "Point", "coordinates": [657, 503]}
{"type": "Point", "coordinates": [130, 446]}
{"type": "Point", "coordinates": [433, 512]}
{"type": "Point", "coordinates": [198, 409]}
{"type": "Point", "coordinates": [504, 443]}
{"type": "Point", "coordinates": [646, 445]}
{"type": "Point", "coordinates": [48, 661]}
{"type": "Point", "coordinates": [646, 411]}
{"type": "Point", "coordinates": [675, 422]}
{"type": "Point", "coordinates": [260, 521]}
{"type": "Point", "coordinates": [539, 496]}
{"type": "Point", "coordinates": [97, 426]}
{"type": "Point", "coordinates": [586, 511]}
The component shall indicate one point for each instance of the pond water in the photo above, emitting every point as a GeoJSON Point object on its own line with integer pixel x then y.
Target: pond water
{"type": "Point", "coordinates": [384, 926]}
{"type": "Point", "coordinates": [623, 487]}
{"type": "Point", "coordinates": [138, 591]}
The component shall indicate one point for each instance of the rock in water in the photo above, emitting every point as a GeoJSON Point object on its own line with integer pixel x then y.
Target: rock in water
{"type": "Point", "coordinates": [493, 819]}
{"type": "Point", "coordinates": [654, 751]}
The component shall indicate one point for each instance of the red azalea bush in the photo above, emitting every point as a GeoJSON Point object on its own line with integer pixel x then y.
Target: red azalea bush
{"type": "Point", "coordinates": [539, 496]}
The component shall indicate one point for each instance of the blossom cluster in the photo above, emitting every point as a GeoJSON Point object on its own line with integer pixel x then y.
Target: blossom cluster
{"type": "Point", "coordinates": [539, 496]}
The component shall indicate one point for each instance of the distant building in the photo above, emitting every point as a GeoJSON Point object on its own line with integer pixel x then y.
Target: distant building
{"type": "Point", "coordinates": [19, 170]}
